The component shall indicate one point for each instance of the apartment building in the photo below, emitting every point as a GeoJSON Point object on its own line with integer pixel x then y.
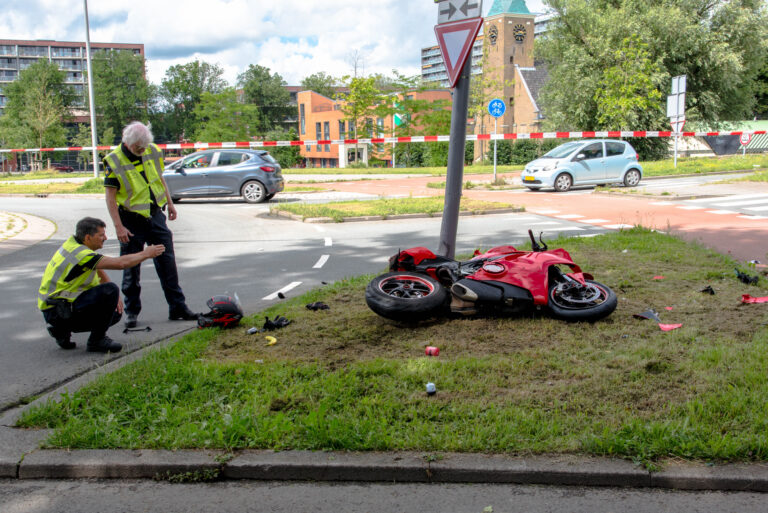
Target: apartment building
{"type": "Point", "coordinates": [322, 119]}
{"type": "Point", "coordinates": [17, 55]}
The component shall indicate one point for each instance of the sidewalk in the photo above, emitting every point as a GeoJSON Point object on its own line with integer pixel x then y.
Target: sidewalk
{"type": "Point", "coordinates": [19, 231]}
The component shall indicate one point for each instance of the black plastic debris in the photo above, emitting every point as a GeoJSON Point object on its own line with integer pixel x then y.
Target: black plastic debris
{"type": "Point", "coordinates": [745, 278]}
{"type": "Point", "coordinates": [148, 328]}
{"type": "Point", "coordinates": [281, 295]}
{"type": "Point", "coordinates": [708, 290]}
{"type": "Point", "coordinates": [276, 323]}
{"type": "Point", "coordinates": [648, 314]}
{"type": "Point", "coordinates": [318, 305]}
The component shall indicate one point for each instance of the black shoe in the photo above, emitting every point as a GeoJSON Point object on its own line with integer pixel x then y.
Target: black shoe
{"type": "Point", "coordinates": [62, 338]}
{"type": "Point", "coordinates": [130, 320]}
{"type": "Point", "coordinates": [105, 345]}
{"type": "Point", "coordinates": [183, 314]}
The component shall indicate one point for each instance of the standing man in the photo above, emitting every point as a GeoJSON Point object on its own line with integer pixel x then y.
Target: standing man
{"type": "Point", "coordinates": [136, 196]}
{"type": "Point", "coordinates": [76, 295]}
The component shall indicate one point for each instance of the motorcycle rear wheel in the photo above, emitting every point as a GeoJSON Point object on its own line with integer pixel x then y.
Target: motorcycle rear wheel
{"type": "Point", "coordinates": [404, 296]}
{"type": "Point", "coordinates": [576, 303]}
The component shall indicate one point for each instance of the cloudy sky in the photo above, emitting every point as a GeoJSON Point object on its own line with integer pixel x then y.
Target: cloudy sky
{"type": "Point", "coordinates": [294, 38]}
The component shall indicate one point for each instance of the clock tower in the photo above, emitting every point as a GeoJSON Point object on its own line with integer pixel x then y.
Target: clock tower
{"type": "Point", "coordinates": [508, 31]}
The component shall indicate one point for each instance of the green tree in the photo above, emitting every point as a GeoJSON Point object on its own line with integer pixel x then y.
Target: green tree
{"type": "Point", "coordinates": [38, 102]}
{"type": "Point", "coordinates": [720, 45]}
{"type": "Point", "coordinates": [181, 91]}
{"type": "Point", "coordinates": [320, 83]}
{"type": "Point", "coordinates": [221, 117]}
{"type": "Point", "coordinates": [267, 92]}
{"type": "Point", "coordinates": [287, 156]}
{"type": "Point", "coordinates": [359, 105]}
{"type": "Point", "coordinates": [120, 89]}
{"type": "Point", "coordinates": [83, 138]}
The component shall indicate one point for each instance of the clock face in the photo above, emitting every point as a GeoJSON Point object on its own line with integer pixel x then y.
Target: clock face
{"type": "Point", "coordinates": [519, 32]}
{"type": "Point", "coordinates": [493, 34]}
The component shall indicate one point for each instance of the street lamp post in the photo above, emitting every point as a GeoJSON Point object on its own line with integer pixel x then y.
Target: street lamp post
{"type": "Point", "coordinates": [90, 92]}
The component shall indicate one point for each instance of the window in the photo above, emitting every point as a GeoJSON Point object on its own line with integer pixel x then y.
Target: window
{"type": "Point", "coordinates": [318, 135]}
{"type": "Point", "coordinates": [327, 134]}
{"type": "Point", "coordinates": [301, 118]}
{"type": "Point", "coordinates": [203, 160]}
{"type": "Point", "coordinates": [341, 130]}
{"type": "Point", "coordinates": [613, 149]}
{"type": "Point", "coordinates": [231, 158]}
{"type": "Point", "coordinates": [593, 151]}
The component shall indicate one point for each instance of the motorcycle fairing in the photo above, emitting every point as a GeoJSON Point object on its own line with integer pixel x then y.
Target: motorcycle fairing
{"type": "Point", "coordinates": [528, 270]}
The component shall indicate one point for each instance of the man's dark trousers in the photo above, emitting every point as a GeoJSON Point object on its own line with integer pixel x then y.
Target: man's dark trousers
{"type": "Point", "coordinates": [152, 230]}
{"type": "Point", "coordinates": [94, 310]}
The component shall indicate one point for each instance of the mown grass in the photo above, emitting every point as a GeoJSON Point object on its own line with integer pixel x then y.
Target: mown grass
{"type": "Point", "coordinates": [346, 379]}
{"type": "Point", "coordinates": [383, 207]}
{"type": "Point", "coordinates": [92, 186]}
{"type": "Point", "coordinates": [698, 165]}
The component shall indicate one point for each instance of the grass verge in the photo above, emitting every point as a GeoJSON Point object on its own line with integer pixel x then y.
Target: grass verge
{"type": "Point", "coordinates": [92, 186]}
{"type": "Point", "coordinates": [345, 379]}
{"type": "Point", "coordinates": [383, 207]}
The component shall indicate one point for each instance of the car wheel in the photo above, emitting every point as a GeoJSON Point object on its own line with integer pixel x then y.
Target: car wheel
{"type": "Point", "coordinates": [253, 192]}
{"type": "Point", "coordinates": [632, 178]}
{"type": "Point", "coordinates": [563, 182]}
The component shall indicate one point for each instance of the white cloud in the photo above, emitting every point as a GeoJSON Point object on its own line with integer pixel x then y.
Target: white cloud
{"type": "Point", "coordinates": [294, 38]}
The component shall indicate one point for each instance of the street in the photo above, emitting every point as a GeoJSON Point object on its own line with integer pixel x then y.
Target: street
{"type": "Point", "coordinates": [91, 496]}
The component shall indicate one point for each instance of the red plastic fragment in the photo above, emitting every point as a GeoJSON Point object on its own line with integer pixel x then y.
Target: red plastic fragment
{"type": "Point", "coordinates": [746, 298]}
{"type": "Point", "coordinates": [669, 327]}
{"type": "Point", "coordinates": [658, 278]}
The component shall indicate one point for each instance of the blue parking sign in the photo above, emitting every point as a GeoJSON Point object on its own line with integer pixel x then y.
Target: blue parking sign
{"type": "Point", "coordinates": [497, 108]}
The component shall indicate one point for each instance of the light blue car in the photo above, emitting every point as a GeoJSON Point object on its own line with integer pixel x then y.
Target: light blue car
{"type": "Point", "coordinates": [591, 162]}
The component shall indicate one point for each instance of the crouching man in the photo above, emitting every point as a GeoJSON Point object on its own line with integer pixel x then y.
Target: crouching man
{"type": "Point", "coordinates": [76, 295]}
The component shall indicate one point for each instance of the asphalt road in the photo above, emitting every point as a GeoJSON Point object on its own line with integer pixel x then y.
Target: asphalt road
{"type": "Point", "coordinates": [221, 246]}
{"type": "Point", "coordinates": [89, 496]}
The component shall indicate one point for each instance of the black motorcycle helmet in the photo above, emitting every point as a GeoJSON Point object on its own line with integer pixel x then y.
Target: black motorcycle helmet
{"type": "Point", "coordinates": [225, 312]}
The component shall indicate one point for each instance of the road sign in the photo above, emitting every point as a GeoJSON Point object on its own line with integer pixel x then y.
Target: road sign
{"type": "Point", "coordinates": [456, 10]}
{"type": "Point", "coordinates": [497, 108]}
{"type": "Point", "coordinates": [745, 138]}
{"type": "Point", "coordinates": [456, 40]}
{"type": "Point", "coordinates": [676, 105]}
{"type": "Point", "coordinates": [677, 124]}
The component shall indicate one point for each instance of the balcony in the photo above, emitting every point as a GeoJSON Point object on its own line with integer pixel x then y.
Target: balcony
{"type": "Point", "coordinates": [75, 78]}
{"type": "Point", "coordinates": [69, 65]}
{"type": "Point", "coordinates": [33, 51]}
{"type": "Point", "coordinates": [8, 50]}
{"type": "Point", "coordinates": [8, 76]}
{"type": "Point", "coordinates": [66, 52]}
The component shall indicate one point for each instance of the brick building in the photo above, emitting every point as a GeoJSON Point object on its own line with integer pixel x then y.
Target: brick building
{"type": "Point", "coordinates": [321, 119]}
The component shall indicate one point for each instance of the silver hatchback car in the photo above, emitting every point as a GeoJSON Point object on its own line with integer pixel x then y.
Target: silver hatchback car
{"type": "Point", "coordinates": [252, 174]}
{"type": "Point", "coordinates": [591, 162]}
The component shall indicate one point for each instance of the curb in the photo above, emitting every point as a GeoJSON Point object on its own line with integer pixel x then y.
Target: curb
{"type": "Point", "coordinates": [401, 467]}
{"type": "Point", "coordinates": [296, 217]}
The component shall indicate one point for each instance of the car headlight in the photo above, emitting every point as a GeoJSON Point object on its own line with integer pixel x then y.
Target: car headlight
{"type": "Point", "coordinates": [549, 167]}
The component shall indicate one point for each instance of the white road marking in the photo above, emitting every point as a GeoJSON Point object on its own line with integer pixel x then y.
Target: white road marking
{"type": "Point", "coordinates": [543, 223]}
{"type": "Point", "coordinates": [756, 209]}
{"type": "Point", "coordinates": [285, 289]}
{"type": "Point", "coordinates": [318, 228]}
{"type": "Point", "coordinates": [568, 229]}
{"type": "Point", "coordinates": [730, 198]}
{"type": "Point", "coordinates": [328, 241]}
{"type": "Point", "coordinates": [595, 221]}
{"type": "Point", "coordinates": [691, 207]}
{"type": "Point", "coordinates": [545, 212]}
{"type": "Point", "coordinates": [617, 226]}
{"type": "Point", "coordinates": [569, 216]}
{"type": "Point", "coordinates": [321, 262]}
{"type": "Point", "coordinates": [752, 217]}
{"type": "Point", "coordinates": [740, 203]}
{"type": "Point", "coordinates": [661, 203]}
{"type": "Point", "coordinates": [723, 212]}
{"type": "Point", "coordinates": [584, 236]}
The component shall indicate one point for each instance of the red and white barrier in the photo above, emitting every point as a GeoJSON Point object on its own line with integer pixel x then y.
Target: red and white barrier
{"type": "Point", "coordinates": [411, 139]}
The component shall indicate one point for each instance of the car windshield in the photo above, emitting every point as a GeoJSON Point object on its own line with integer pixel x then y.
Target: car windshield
{"type": "Point", "coordinates": [561, 151]}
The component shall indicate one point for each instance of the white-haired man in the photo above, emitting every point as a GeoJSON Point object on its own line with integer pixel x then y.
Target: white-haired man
{"type": "Point", "coordinates": [136, 195]}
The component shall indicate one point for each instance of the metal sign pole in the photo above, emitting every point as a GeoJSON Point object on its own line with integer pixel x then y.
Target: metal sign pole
{"type": "Point", "coordinates": [455, 171]}
{"type": "Point", "coordinates": [676, 134]}
{"type": "Point", "coordinates": [90, 92]}
{"type": "Point", "coordinates": [495, 130]}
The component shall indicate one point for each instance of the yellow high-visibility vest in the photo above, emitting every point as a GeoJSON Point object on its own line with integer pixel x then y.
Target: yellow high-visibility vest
{"type": "Point", "coordinates": [55, 285]}
{"type": "Point", "coordinates": [133, 194]}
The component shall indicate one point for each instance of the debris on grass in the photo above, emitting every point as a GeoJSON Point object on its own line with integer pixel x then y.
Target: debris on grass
{"type": "Point", "coordinates": [318, 305]}
{"type": "Point", "coordinates": [745, 278]}
{"type": "Point", "coordinates": [669, 327]}
{"type": "Point", "coordinates": [648, 314]}
{"type": "Point", "coordinates": [746, 298]}
{"type": "Point", "coordinates": [276, 323]}
{"type": "Point", "coordinates": [708, 290]}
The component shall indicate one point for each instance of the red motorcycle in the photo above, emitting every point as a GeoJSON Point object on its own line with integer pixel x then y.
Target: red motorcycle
{"type": "Point", "coordinates": [502, 280]}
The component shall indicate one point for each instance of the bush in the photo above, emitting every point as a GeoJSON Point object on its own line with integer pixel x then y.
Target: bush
{"type": "Point", "coordinates": [521, 151]}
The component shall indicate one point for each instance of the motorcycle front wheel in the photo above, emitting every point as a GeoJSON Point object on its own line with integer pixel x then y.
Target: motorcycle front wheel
{"type": "Point", "coordinates": [403, 296]}
{"type": "Point", "coordinates": [575, 302]}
